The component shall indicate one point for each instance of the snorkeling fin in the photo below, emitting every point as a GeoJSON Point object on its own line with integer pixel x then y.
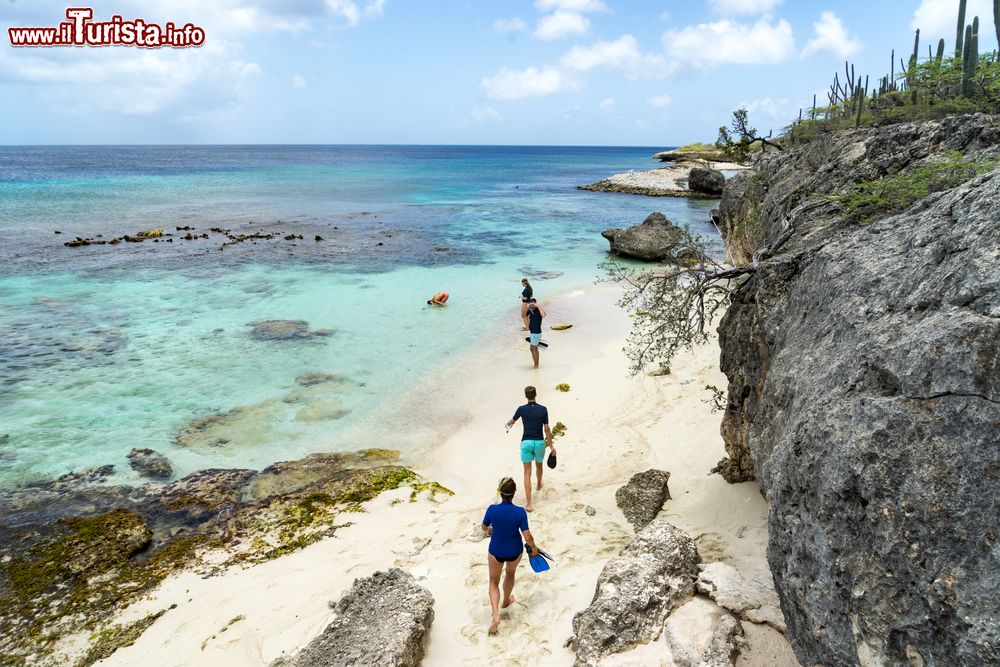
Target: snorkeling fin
{"type": "Point", "coordinates": [538, 563]}
{"type": "Point", "coordinates": [541, 343]}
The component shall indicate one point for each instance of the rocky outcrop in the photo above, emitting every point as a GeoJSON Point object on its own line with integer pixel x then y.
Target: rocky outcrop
{"type": "Point", "coordinates": [662, 182]}
{"type": "Point", "coordinates": [700, 634]}
{"type": "Point", "coordinates": [636, 592]}
{"type": "Point", "coordinates": [682, 156]}
{"type": "Point", "coordinates": [653, 240]}
{"type": "Point", "coordinates": [150, 463]}
{"type": "Point", "coordinates": [752, 600]}
{"type": "Point", "coordinates": [864, 395]}
{"type": "Point", "coordinates": [74, 548]}
{"type": "Point", "coordinates": [382, 620]}
{"type": "Point", "coordinates": [707, 181]}
{"type": "Point", "coordinates": [642, 498]}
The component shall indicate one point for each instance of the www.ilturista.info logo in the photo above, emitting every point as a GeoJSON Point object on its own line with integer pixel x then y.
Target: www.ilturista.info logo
{"type": "Point", "coordinates": [80, 30]}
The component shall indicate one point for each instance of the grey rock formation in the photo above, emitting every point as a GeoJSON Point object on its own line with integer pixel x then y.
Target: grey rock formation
{"type": "Point", "coordinates": [652, 240]}
{"type": "Point", "coordinates": [642, 498]}
{"type": "Point", "coordinates": [701, 634]}
{"type": "Point", "coordinates": [864, 394]}
{"type": "Point", "coordinates": [751, 599]}
{"type": "Point", "coordinates": [382, 620]}
{"type": "Point", "coordinates": [150, 463]}
{"type": "Point", "coordinates": [636, 592]}
{"type": "Point", "coordinates": [708, 181]}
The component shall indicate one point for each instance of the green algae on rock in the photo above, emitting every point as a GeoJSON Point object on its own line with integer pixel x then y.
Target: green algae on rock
{"type": "Point", "coordinates": [563, 387]}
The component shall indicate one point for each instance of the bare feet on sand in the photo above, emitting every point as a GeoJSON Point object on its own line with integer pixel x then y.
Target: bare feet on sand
{"type": "Point", "coordinates": [508, 603]}
{"type": "Point", "coordinates": [527, 508]}
{"type": "Point", "coordinates": [496, 625]}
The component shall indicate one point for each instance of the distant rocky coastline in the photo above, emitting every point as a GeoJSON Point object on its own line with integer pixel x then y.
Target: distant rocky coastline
{"type": "Point", "coordinates": [681, 179]}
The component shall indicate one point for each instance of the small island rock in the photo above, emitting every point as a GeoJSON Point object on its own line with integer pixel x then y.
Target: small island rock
{"type": "Point", "coordinates": [150, 463]}
{"type": "Point", "coordinates": [652, 241]}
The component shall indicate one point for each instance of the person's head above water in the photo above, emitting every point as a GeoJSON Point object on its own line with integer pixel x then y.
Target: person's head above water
{"type": "Point", "coordinates": [507, 488]}
{"type": "Point", "coordinates": [530, 393]}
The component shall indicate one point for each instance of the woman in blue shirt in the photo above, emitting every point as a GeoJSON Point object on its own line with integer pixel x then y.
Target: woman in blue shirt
{"type": "Point", "coordinates": [504, 523]}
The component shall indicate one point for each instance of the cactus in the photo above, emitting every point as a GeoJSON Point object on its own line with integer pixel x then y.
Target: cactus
{"type": "Point", "coordinates": [862, 93]}
{"type": "Point", "coordinates": [940, 49]}
{"type": "Point", "coordinates": [961, 29]}
{"type": "Point", "coordinates": [996, 19]}
{"type": "Point", "coordinates": [969, 61]}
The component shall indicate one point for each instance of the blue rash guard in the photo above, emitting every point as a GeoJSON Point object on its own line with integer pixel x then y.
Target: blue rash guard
{"type": "Point", "coordinates": [508, 520]}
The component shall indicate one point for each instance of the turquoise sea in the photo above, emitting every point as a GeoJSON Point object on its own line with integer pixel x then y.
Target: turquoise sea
{"type": "Point", "coordinates": [108, 347]}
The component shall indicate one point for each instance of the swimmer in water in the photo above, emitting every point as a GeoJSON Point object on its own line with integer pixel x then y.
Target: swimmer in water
{"type": "Point", "coordinates": [439, 299]}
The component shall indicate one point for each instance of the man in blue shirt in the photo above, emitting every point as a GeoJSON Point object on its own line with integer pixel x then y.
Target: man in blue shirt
{"type": "Point", "coordinates": [535, 419]}
{"type": "Point", "coordinates": [535, 315]}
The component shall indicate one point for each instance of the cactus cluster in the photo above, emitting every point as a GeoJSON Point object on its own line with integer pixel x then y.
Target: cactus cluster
{"type": "Point", "coordinates": [970, 57]}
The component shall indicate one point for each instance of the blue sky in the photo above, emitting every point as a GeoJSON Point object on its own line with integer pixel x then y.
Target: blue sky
{"type": "Point", "coordinates": [577, 72]}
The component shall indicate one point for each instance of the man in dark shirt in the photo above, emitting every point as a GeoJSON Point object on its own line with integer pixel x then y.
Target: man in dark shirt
{"type": "Point", "coordinates": [535, 315]}
{"type": "Point", "coordinates": [535, 419]}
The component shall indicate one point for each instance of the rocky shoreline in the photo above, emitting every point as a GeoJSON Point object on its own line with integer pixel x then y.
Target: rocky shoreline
{"type": "Point", "coordinates": [672, 181]}
{"type": "Point", "coordinates": [75, 549]}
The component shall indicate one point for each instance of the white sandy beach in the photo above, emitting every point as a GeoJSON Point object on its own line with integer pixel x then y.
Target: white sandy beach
{"type": "Point", "coordinates": [617, 426]}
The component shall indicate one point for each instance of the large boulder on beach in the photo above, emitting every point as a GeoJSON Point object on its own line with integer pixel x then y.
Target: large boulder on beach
{"type": "Point", "coordinates": [150, 463]}
{"type": "Point", "coordinates": [636, 591]}
{"type": "Point", "coordinates": [642, 498]}
{"type": "Point", "coordinates": [708, 181]}
{"type": "Point", "coordinates": [382, 620]}
{"type": "Point", "coordinates": [652, 240]}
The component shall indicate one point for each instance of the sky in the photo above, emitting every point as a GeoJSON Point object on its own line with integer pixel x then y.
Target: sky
{"type": "Point", "coordinates": [549, 72]}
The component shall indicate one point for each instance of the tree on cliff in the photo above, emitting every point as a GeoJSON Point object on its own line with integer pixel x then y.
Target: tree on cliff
{"type": "Point", "coordinates": [738, 143]}
{"type": "Point", "coordinates": [674, 303]}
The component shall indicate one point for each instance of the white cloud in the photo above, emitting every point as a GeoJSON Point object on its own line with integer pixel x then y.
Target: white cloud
{"type": "Point", "coordinates": [660, 101]}
{"type": "Point", "coordinates": [623, 53]}
{"type": "Point", "coordinates": [608, 104]}
{"type": "Point", "coordinates": [530, 82]}
{"type": "Point", "coordinates": [730, 42]}
{"type": "Point", "coordinates": [742, 7]}
{"type": "Point", "coordinates": [571, 5]}
{"type": "Point", "coordinates": [513, 24]}
{"type": "Point", "coordinates": [774, 110]}
{"type": "Point", "coordinates": [939, 18]}
{"type": "Point", "coordinates": [480, 114]}
{"type": "Point", "coordinates": [831, 35]}
{"type": "Point", "coordinates": [561, 24]}
{"type": "Point", "coordinates": [352, 13]}
{"type": "Point", "coordinates": [299, 81]}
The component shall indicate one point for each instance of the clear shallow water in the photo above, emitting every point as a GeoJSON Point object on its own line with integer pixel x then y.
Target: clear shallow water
{"type": "Point", "coordinates": [105, 348]}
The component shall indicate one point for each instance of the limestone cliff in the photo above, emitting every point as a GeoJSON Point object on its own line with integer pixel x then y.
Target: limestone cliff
{"type": "Point", "coordinates": [863, 358]}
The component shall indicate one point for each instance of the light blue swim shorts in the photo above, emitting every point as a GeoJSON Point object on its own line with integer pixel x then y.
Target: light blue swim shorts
{"type": "Point", "coordinates": [532, 450]}
{"type": "Point", "coordinates": [535, 338]}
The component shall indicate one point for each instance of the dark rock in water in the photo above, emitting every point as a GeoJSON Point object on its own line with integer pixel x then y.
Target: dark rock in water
{"type": "Point", "coordinates": [383, 620]}
{"type": "Point", "coordinates": [709, 181]}
{"type": "Point", "coordinates": [285, 330]}
{"type": "Point", "coordinates": [311, 379]}
{"type": "Point", "coordinates": [715, 216]}
{"type": "Point", "coordinates": [150, 463]}
{"type": "Point", "coordinates": [86, 476]}
{"type": "Point", "coordinates": [864, 395]}
{"type": "Point", "coordinates": [636, 592]}
{"type": "Point", "coordinates": [538, 274]}
{"type": "Point", "coordinates": [642, 498]}
{"type": "Point", "coordinates": [652, 241]}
